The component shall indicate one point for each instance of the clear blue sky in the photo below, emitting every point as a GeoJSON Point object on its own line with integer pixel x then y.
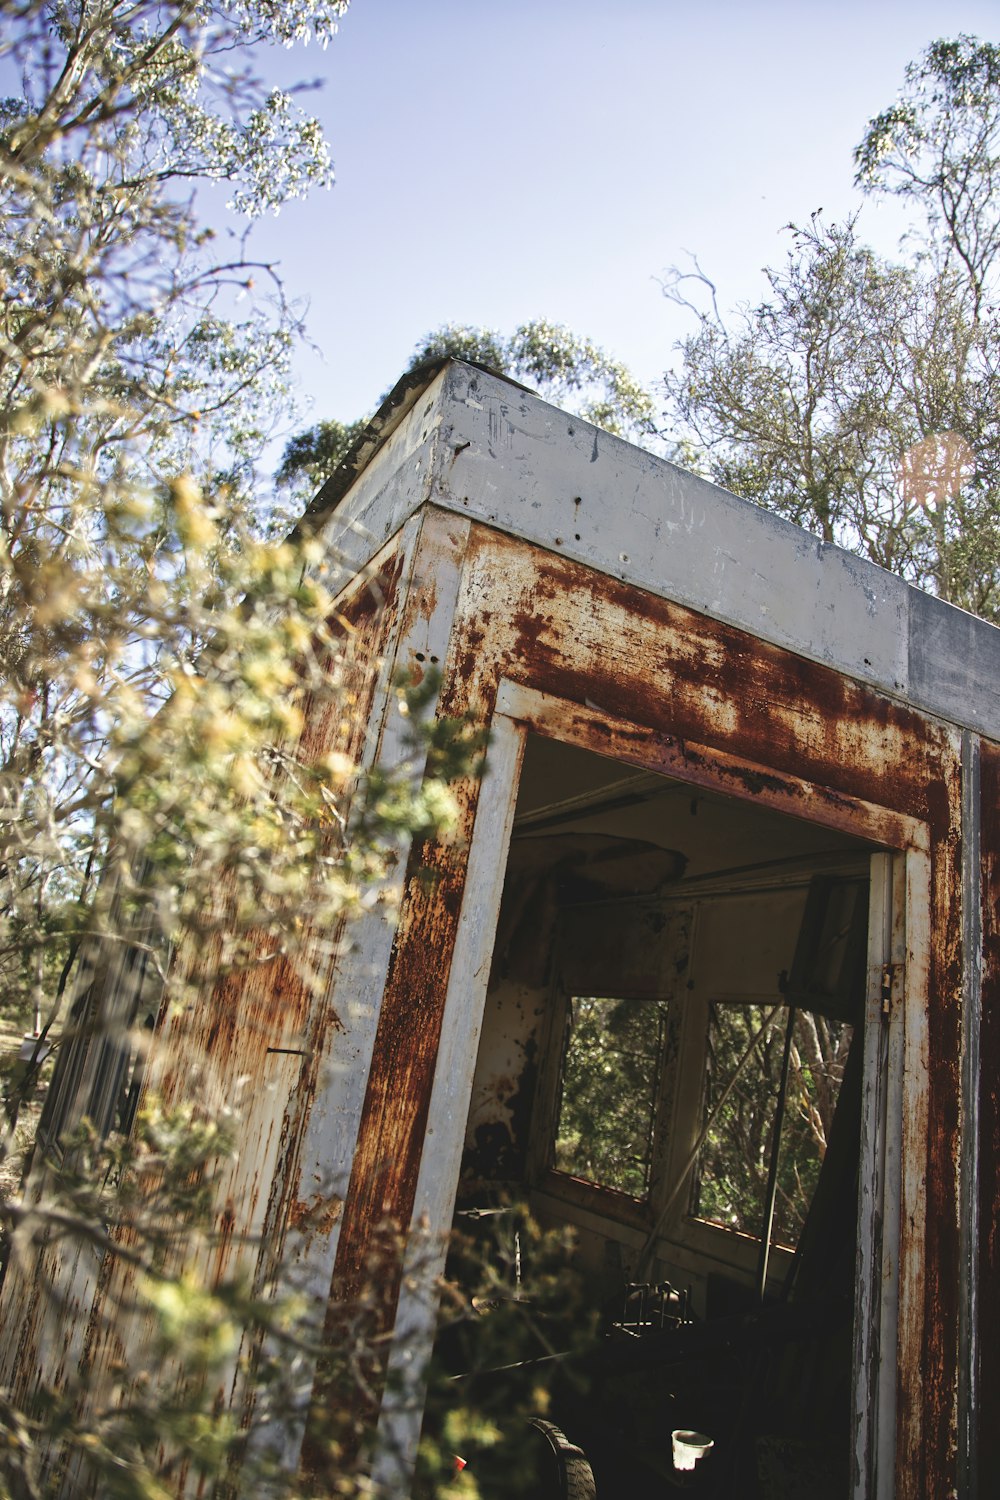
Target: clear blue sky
{"type": "Point", "coordinates": [550, 159]}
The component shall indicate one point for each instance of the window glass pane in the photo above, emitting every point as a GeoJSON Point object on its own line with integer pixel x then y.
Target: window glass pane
{"type": "Point", "coordinates": [731, 1173]}
{"type": "Point", "coordinates": [611, 1070]}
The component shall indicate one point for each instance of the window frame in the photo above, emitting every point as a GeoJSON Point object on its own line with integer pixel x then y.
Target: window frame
{"type": "Point", "coordinates": [890, 1282]}
{"type": "Point", "coordinates": [563, 1182]}
{"type": "Point", "coordinates": [678, 1111]}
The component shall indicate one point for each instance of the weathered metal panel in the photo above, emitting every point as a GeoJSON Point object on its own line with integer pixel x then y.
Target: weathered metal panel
{"type": "Point", "coordinates": [308, 1021]}
{"type": "Point", "coordinates": [576, 489]}
{"type": "Point", "coordinates": [279, 1009]}
{"type": "Point", "coordinates": [361, 980]}
{"type": "Point", "coordinates": [359, 1141]}
{"type": "Point", "coordinates": [987, 1400]}
{"type": "Point", "coordinates": [393, 484]}
{"type": "Point", "coordinates": [642, 678]}
{"type": "Point", "coordinates": [624, 654]}
{"type": "Point", "coordinates": [271, 1026]}
{"type": "Point", "coordinates": [701, 764]}
{"type": "Point", "coordinates": [925, 1397]}
{"type": "Point", "coordinates": [951, 655]}
{"type": "Point", "coordinates": [877, 1272]}
{"type": "Point", "coordinates": [504, 457]}
{"type": "Point", "coordinates": [969, 1218]}
{"type": "Point", "coordinates": [250, 1046]}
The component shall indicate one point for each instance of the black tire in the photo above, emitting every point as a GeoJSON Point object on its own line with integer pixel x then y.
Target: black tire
{"type": "Point", "coordinates": [573, 1474]}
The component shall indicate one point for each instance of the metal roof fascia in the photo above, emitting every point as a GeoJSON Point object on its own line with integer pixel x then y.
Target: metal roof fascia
{"type": "Point", "coordinates": [509, 459]}
{"type": "Point", "coordinates": [474, 442]}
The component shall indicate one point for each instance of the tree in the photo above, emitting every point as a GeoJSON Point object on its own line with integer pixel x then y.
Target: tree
{"type": "Point", "coordinates": [938, 147]}
{"type": "Point", "coordinates": [137, 375]}
{"type": "Point", "coordinates": [312, 455]}
{"type": "Point", "coordinates": [859, 398]}
{"type": "Point", "coordinates": [570, 370]}
{"type": "Point", "coordinates": [730, 1176]}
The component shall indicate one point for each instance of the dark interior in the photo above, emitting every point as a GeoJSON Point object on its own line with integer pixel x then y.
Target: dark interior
{"type": "Point", "coordinates": [656, 1219]}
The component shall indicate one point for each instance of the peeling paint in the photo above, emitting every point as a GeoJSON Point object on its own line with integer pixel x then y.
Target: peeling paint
{"type": "Point", "coordinates": [540, 642]}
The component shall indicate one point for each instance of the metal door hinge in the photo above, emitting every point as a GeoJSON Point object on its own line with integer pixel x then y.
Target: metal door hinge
{"type": "Point", "coordinates": [889, 972]}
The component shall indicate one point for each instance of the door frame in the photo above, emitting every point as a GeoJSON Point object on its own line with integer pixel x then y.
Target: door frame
{"type": "Point", "coordinates": [888, 1317]}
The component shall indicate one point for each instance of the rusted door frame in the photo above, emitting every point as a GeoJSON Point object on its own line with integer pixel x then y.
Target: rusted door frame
{"type": "Point", "coordinates": [889, 1290]}
{"type": "Point", "coordinates": [451, 1092]}
{"type": "Point", "coordinates": [970, 1399]}
{"type": "Point", "coordinates": [890, 1195]}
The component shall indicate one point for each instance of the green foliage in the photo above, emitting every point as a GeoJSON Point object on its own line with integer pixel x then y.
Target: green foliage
{"type": "Point", "coordinates": [731, 1173]}
{"type": "Point", "coordinates": [139, 375]}
{"type": "Point", "coordinates": [149, 1200]}
{"type": "Point", "coordinates": [311, 456]}
{"type": "Point", "coordinates": [610, 1076]}
{"type": "Point", "coordinates": [572, 371]}
{"type": "Point", "coordinates": [481, 346]}
{"type": "Point", "coordinates": [158, 1185]}
{"type": "Point", "coordinates": [858, 399]}
{"type": "Point", "coordinates": [576, 372]}
{"type": "Point", "coordinates": [160, 658]}
{"type": "Point", "coordinates": [610, 1083]}
{"type": "Point", "coordinates": [938, 147]}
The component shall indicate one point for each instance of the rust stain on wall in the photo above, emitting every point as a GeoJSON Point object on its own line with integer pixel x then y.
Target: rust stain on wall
{"type": "Point", "coordinates": [268, 1003]}
{"type": "Point", "coordinates": [588, 639]}
{"type": "Point", "coordinates": [988, 1402]}
{"type": "Point", "coordinates": [259, 1023]}
{"type": "Point", "coordinates": [585, 637]}
{"type": "Point", "coordinates": [317, 1215]}
{"type": "Point", "coordinates": [375, 616]}
{"type": "Point", "coordinates": [390, 1140]}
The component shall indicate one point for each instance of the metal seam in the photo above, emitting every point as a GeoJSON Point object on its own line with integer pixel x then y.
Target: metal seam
{"type": "Point", "coordinates": [968, 1304]}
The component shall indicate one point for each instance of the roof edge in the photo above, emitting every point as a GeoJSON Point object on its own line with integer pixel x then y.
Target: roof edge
{"type": "Point", "coordinates": [392, 412]}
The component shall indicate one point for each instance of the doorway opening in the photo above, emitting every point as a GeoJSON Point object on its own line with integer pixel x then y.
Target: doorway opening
{"type": "Point", "coordinates": [670, 1071]}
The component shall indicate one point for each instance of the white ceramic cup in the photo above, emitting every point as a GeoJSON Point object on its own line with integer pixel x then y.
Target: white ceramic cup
{"type": "Point", "coordinates": [688, 1447]}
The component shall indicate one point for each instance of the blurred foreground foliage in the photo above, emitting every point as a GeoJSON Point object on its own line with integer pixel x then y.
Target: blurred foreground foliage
{"type": "Point", "coordinates": [510, 1295]}
{"type": "Point", "coordinates": [163, 654]}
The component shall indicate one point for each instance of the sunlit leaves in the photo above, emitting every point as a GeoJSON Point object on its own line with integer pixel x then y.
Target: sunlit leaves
{"type": "Point", "coordinates": [938, 147]}
{"type": "Point", "coordinates": [139, 377]}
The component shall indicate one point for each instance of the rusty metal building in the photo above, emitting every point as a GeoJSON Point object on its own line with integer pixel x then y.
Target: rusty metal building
{"type": "Point", "coordinates": [729, 767]}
